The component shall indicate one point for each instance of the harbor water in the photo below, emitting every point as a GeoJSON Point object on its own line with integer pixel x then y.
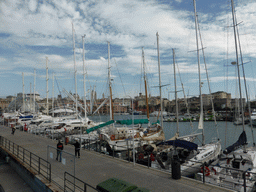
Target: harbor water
{"type": "Point", "coordinates": [227, 132]}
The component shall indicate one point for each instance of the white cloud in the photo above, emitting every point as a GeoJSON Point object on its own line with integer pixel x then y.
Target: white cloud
{"type": "Point", "coordinates": [127, 25]}
{"type": "Point", "coordinates": [32, 4]}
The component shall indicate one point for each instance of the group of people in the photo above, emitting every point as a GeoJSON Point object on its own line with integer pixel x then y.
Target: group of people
{"type": "Point", "coordinates": [60, 148]}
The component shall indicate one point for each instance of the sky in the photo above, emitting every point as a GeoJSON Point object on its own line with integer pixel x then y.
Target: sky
{"type": "Point", "coordinates": [33, 30]}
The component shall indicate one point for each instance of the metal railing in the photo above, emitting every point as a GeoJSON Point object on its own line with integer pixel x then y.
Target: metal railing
{"type": "Point", "coordinates": [34, 162]}
{"type": "Point", "coordinates": [72, 184]}
{"type": "Point", "coordinates": [228, 177]}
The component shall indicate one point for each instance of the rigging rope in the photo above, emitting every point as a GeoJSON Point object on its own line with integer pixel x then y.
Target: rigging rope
{"type": "Point", "coordinates": [185, 98]}
{"type": "Point", "coordinates": [120, 77]}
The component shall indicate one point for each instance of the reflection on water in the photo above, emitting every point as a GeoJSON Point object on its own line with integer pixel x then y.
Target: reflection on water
{"type": "Point", "coordinates": [228, 132]}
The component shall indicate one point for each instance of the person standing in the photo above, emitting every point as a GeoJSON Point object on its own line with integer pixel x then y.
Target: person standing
{"type": "Point", "coordinates": [77, 149]}
{"type": "Point", "coordinates": [59, 150]}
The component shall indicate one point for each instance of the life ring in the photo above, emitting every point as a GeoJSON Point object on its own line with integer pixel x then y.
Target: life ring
{"type": "Point", "coordinates": [214, 170]}
{"type": "Point", "coordinates": [206, 169]}
{"type": "Point", "coordinates": [152, 157]}
{"type": "Point", "coordinates": [112, 137]}
{"type": "Point", "coordinates": [141, 156]}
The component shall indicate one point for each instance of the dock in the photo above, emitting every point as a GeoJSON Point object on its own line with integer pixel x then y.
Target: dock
{"type": "Point", "coordinates": [94, 168]}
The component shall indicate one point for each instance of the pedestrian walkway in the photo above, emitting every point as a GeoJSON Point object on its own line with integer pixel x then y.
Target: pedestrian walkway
{"type": "Point", "coordinates": [94, 168]}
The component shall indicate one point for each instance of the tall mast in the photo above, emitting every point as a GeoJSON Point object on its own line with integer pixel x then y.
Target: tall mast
{"type": "Point", "coordinates": [237, 63]}
{"type": "Point", "coordinates": [47, 91]}
{"type": "Point", "coordinates": [23, 92]}
{"type": "Point", "coordinates": [200, 124]}
{"type": "Point", "coordinates": [85, 112]}
{"type": "Point", "coordinates": [110, 86]}
{"type": "Point", "coordinates": [53, 94]}
{"type": "Point", "coordinates": [145, 81]}
{"type": "Point", "coordinates": [160, 86]}
{"type": "Point", "coordinates": [30, 99]}
{"type": "Point", "coordinates": [74, 47]}
{"type": "Point", "coordinates": [176, 99]}
{"type": "Point", "coordinates": [34, 90]}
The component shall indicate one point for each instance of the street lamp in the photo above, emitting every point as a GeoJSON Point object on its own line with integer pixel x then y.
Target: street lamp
{"type": "Point", "coordinates": [133, 150]}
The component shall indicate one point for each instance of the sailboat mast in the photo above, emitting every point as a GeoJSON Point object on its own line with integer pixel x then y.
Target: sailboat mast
{"type": "Point", "coordinates": [34, 90]}
{"type": "Point", "coordinates": [110, 86]}
{"type": "Point", "coordinates": [74, 47]}
{"type": "Point", "coordinates": [200, 126]}
{"type": "Point", "coordinates": [53, 94]}
{"type": "Point", "coordinates": [145, 82]}
{"type": "Point", "coordinates": [23, 92]}
{"type": "Point", "coordinates": [85, 112]}
{"type": "Point", "coordinates": [47, 91]}
{"type": "Point", "coordinates": [237, 63]}
{"type": "Point", "coordinates": [160, 86]}
{"type": "Point", "coordinates": [176, 99]}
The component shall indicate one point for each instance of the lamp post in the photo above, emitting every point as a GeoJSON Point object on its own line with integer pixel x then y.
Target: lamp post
{"type": "Point", "coordinates": [133, 150]}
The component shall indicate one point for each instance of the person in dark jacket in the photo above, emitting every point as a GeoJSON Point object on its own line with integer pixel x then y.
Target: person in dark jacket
{"type": "Point", "coordinates": [77, 149]}
{"type": "Point", "coordinates": [13, 130]}
{"type": "Point", "coordinates": [59, 150]}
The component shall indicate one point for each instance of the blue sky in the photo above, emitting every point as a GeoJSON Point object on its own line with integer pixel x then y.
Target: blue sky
{"type": "Point", "coordinates": [33, 30]}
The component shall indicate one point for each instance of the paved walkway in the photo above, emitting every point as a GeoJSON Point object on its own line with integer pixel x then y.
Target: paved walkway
{"type": "Point", "coordinates": [94, 168]}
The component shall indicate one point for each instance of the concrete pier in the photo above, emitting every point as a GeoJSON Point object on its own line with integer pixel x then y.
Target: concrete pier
{"type": "Point", "coordinates": [94, 168]}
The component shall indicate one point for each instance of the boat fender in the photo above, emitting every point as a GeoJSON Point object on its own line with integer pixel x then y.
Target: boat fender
{"type": "Point", "coordinates": [206, 169]}
{"type": "Point", "coordinates": [25, 127]}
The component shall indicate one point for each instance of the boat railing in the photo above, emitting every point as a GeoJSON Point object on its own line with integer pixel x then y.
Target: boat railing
{"type": "Point", "coordinates": [228, 177]}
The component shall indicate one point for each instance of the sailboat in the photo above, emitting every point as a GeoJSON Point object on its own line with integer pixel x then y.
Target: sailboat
{"type": "Point", "coordinates": [207, 153]}
{"type": "Point", "coordinates": [236, 167]}
{"type": "Point", "coordinates": [124, 137]}
{"type": "Point", "coordinates": [193, 157]}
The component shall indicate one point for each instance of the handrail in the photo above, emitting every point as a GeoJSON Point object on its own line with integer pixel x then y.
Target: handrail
{"type": "Point", "coordinates": [73, 184]}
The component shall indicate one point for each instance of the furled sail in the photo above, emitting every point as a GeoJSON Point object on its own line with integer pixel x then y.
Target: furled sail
{"type": "Point", "coordinates": [130, 121]}
{"type": "Point", "coordinates": [180, 143]}
{"type": "Point", "coordinates": [242, 140]}
{"type": "Point", "coordinates": [99, 126]}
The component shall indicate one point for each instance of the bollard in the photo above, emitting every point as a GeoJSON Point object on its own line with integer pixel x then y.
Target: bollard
{"type": "Point", "coordinates": [176, 172]}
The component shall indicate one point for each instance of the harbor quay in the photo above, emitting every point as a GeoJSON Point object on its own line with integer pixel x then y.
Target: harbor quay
{"type": "Point", "coordinates": [94, 168]}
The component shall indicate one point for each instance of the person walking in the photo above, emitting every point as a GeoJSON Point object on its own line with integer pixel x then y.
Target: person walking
{"type": "Point", "coordinates": [59, 150]}
{"type": "Point", "coordinates": [77, 149]}
{"type": "Point", "coordinates": [13, 130]}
